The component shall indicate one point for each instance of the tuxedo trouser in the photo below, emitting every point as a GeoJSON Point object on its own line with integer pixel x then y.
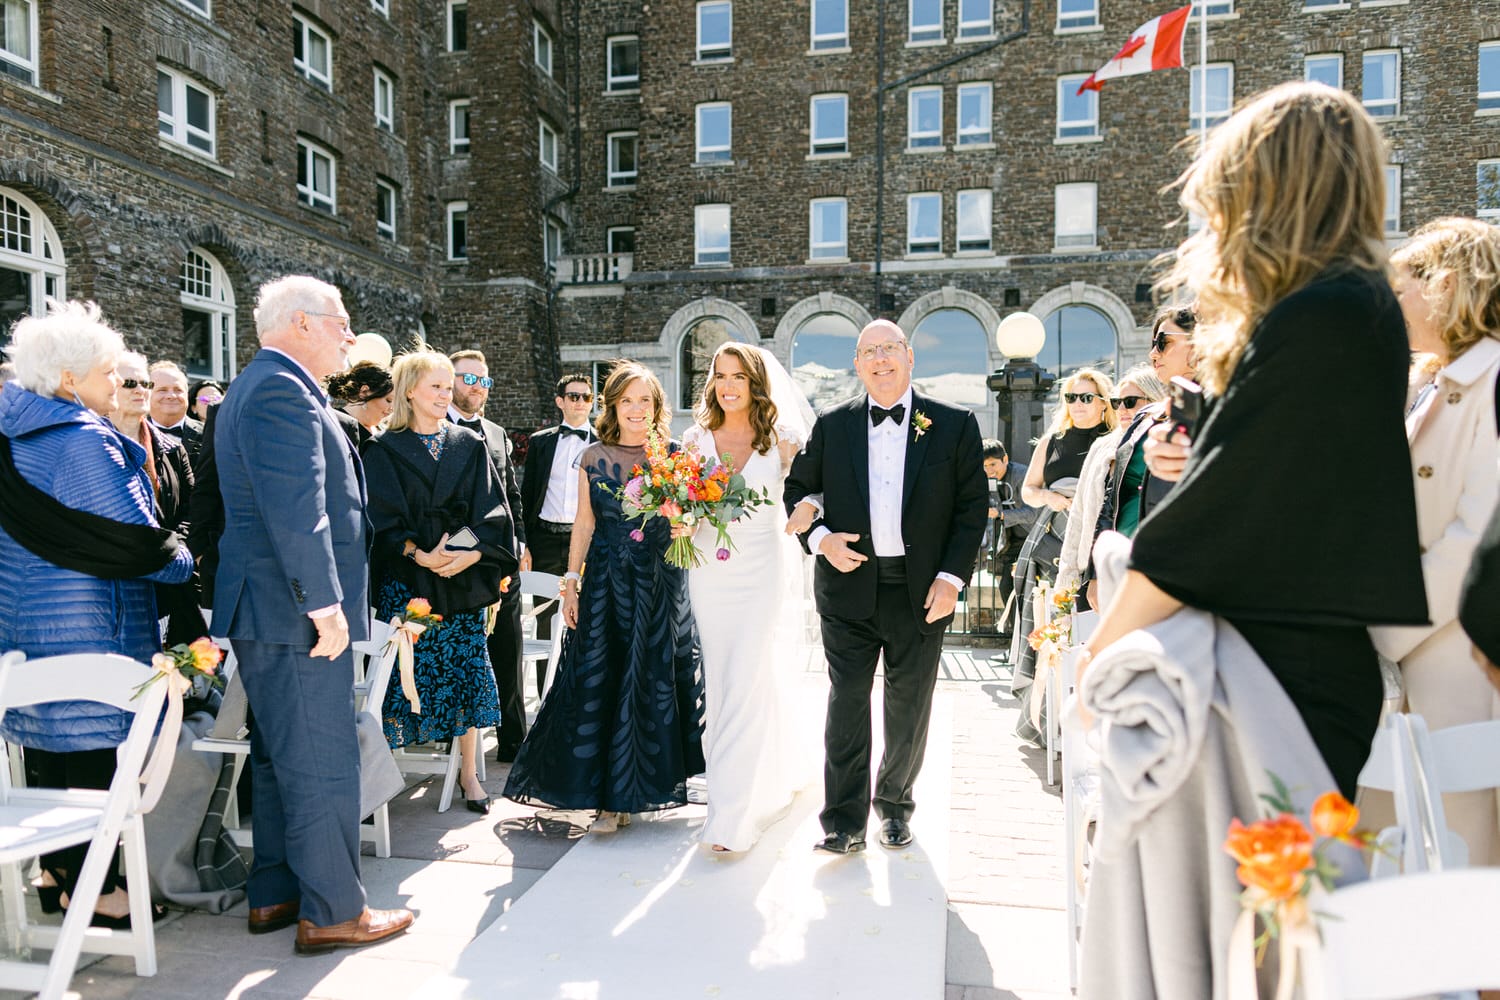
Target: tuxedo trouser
{"type": "Point", "coordinates": [549, 554]}
{"type": "Point", "coordinates": [304, 769]}
{"type": "Point", "coordinates": [853, 647]}
{"type": "Point", "coordinates": [505, 659]}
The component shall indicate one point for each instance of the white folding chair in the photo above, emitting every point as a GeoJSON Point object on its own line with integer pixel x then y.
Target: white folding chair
{"type": "Point", "coordinates": [1060, 683]}
{"type": "Point", "coordinates": [373, 662]}
{"type": "Point", "coordinates": [1417, 935]}
{"type": "Point", "coordinates": [1080, 794]}
{"type": "Point", "coordinates": [36, 821]}
{"type": "Point", "coordinates": [539, 592]}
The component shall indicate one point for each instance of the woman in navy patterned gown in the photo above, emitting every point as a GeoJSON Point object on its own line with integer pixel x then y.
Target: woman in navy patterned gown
{"type": "Point", "coordinates": [621, 729]}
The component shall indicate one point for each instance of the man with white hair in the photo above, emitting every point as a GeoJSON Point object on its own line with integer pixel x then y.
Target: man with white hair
{"type": "Point", "coordinates": [291, 593]}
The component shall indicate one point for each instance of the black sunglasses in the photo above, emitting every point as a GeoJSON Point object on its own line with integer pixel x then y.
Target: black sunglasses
{"type": "Point", "coordinates": [578, 397]}
{"type": "Point", "coordinates": [1159, 341]}
{"type": "Point", "coordinates": [469, 378]}
{"type": "Point", "coordinates": [1080, 397]}
{"type": "Point", "coordinates": [1129, 402]}
{"type": "Point", "coordinates": [136, 383]}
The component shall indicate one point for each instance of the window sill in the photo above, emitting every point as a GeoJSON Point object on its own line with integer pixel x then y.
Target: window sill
{"type": "Point", "coordinates": [188, 153]}
{"type": "Point", "coordinates": [455, 263]}
{"type": "Point", "coordinates": [456, 260]}
{"type": "Point", "coordinates": [1233, 15]}
{"type": "Point", "coordinates": [1487, 113]}
{"type": "Point", "coordinates": [1082, 29]}
{"type": "Point", "coordinates": [927, 44]}
{"type": "Point", "coordinates": [1383, 3]}
{"type": "Point", "coordinates": [714, 61]}
{"type": "Point", "coordinates": [326, 86]}
{"type": "Point", "coordinates": [986, 252]}
{"type": "Point", "coordinates": [1076, 140]}
{"type": "Point", "coordinates": [623, 92]}
{"type": "Point", "coordinates": [1092, 248]}
{"type": "Point", "coordinates": [32, 89]}
{"type": "Point", "coordinates": [814, 261]}
{"type": "Point", "coordinates": [716, 266]}
{"type": "Point", "coordinates": [925, 255]}
{"type": "Point", "coordinates": [813, 157]}
{"type": "Point", "coordinates": [712, 164]}
{"type": "Point", "coordinates": [1328, 7]}
{"type": "Point", "coordinates": [964, 147]}
{"type": "Point", "coordinates": [1388, 119]}
{"type": "Point", "coordinates": [924, 150]}
{"type": "Point", "coordinates": [842, 50]}
{"type": "Point", "coordinates": [617, 188]}
{"type": "Point", "coordinates": [321, 211]}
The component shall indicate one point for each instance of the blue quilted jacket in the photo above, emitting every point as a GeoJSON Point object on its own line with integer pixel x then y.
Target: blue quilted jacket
{"type": "Point", "coordinates": [65, 450]}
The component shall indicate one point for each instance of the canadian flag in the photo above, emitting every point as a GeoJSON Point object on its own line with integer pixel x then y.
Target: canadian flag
{"type": "Point", "coordinates": [1157, 44]}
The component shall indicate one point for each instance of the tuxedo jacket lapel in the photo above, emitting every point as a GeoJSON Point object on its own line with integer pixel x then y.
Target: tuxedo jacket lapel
{"type": "Point", "coordinates": [916, 452]}
{"type": "Point", "coordinates": [859, 446]}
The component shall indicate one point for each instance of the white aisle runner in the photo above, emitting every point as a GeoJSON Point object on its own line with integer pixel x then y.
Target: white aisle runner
{"type": "Point", "coordinates": [647, 914]}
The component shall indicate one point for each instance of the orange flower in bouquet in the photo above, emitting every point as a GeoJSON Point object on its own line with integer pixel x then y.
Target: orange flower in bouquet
{"type": "Point", "coordinates": [184, 663]}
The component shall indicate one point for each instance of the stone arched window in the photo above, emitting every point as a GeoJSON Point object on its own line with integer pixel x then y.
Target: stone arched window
{"type": "Point", "coordinates": [695, 352]}
{"type": "Point", "coordinates": [1080, 336]}
{"type": "Point", "coordinates": [687, 343]}
{"type": "Point", "coordinates": [822, 354]}
{"type": "Point", "coordinates": [32, 268]}
{"type": "Point", "coordinates": [953, 358]}
{"type": "Point", "coordinates": [207, 316]}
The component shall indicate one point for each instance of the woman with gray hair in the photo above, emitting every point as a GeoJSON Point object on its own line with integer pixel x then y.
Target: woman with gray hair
{"type": "Point", "coordinates": [82, 550]}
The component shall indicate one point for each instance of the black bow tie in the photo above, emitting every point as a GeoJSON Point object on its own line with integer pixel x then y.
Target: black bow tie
{"type": "Point", "coordinates": [577, 432]}
{"type": "Point", "coordinates": [475, 424]}
{"type": "Point", "coordinates": [897, 414]}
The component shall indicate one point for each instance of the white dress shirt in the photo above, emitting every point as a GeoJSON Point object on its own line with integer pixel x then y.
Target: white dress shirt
{"type": "Point", "coordinates": [560, 504]}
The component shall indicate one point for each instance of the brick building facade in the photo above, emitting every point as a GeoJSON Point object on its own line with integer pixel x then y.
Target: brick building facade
{"type": "Point", "coordinates": [568, 181]}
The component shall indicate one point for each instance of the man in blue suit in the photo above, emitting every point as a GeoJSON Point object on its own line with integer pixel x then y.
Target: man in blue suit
{"type": "Point", "coordinates": [290, 596]}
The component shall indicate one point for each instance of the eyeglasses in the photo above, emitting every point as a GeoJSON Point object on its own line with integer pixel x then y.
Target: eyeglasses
{"type": "Point", "coordinates": [1129, 402]}
{"type": "Point", "coordinates": [1159, 342]}
{"type": "Point", "coordinates": [579, 397]}
{"type": "Point", "coordinates": [1080, 397]}
{"type": "Point", "coordinates": [885, 349]}
{"type": "Point", "coordinates": [136, 383]}
{"type": "Point", "coordinates": [469, 378]}
{"type": "Point", "coordinates": [343, 320]}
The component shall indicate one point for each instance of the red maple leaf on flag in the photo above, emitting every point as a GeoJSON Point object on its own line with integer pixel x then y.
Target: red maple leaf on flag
{"type": "Point", "coordinates": [1130, 48]}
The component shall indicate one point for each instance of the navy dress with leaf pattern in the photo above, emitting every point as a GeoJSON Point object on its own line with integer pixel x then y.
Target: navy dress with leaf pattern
{"type": "Point", "coordinates": [621, 729]}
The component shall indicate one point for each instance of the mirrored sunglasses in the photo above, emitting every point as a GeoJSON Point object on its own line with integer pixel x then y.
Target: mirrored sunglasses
{"type": "Point", "coordinates": [136, 383]}
{"type": "Point", "coordinates": [469, 378]}
{"type": "Point", "coordinates": [1080, 397]}
{"type": "Point", "coordinates": [1129, 402]}
{"type": "Point", "coordinates": [578, 397]}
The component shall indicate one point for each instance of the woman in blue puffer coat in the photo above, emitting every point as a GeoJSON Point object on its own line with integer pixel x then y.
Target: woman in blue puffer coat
{"type": "Point", "coordinates": [81, 550]}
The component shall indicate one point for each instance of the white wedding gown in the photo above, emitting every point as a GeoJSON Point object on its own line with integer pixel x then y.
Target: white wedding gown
{"type": "Point", "coordinates": [738, 604]}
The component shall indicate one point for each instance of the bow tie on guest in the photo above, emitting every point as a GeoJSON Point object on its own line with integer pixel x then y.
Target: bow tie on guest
{"type": "Point", "coordinates": [577, 432]}
{"type": "Point", "coordinates": [475, 424]}
{"type": "Point", "coordinates": [897, 414]}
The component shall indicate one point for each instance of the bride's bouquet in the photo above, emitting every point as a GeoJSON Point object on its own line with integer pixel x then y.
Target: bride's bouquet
{"type": "Point", "coordinates": [687, 488]}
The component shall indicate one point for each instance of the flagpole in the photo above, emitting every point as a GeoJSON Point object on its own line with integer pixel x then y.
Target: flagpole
{"type": "Point", "coordinates": [1202, 73]}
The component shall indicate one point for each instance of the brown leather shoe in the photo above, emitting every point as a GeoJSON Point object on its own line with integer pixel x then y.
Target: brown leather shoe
{"type": "Point", "coordinates": [367, 928]}
{"type": "Point", "coordinates": [265, 919]}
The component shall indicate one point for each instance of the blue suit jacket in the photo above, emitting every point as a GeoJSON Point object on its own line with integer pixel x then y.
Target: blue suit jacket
{"type": "Point", "coordinates": [295, 534]}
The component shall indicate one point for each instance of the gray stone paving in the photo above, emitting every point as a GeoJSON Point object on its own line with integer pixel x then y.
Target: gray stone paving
{"type": "Point", "coordinates": [461, 871]}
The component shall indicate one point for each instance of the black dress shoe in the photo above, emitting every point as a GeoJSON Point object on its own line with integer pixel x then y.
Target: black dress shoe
{"type": "Point", "coordinates": [481, 806]}
{"type": "Point", "coordinates": [506, 754]}
{"type": "Point", "coordinates": [841, 843]}
{"type": "Point", "coordinates": [895, 834]}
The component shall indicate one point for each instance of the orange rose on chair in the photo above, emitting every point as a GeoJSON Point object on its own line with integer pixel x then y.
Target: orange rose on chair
{"type": "Point", "coordinates": [1274, 855]}
{"type": "Point", "coordinates": [1335, 816]}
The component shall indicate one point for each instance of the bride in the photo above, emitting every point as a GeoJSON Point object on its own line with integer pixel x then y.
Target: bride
{"type": "Point", "coordinates": [753, 415]}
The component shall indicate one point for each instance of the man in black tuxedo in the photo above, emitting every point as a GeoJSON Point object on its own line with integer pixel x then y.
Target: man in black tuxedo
{"type": "Point", "coordinates": [549, 487]}
{"type": "Point", "coordinates": [169, 406]}
{"type": "Point", "coordinates": [471, 390]}
{"type": "Point", "coordinates": [902, 513]}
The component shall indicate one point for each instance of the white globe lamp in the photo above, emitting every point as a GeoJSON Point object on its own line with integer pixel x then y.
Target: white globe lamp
{"type": "Point", "coordinates": [1020, 335]}
{"type": "Point", "coordinates": [370, 347]}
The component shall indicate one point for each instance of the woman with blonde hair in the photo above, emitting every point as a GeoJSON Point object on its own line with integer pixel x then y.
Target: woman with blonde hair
{"type": "Point", "coordinates": [1084, 417]}
{"type": "Point", "coordinates": [1448, 283]}
{"type": "Point", "coordinates": [1290, 274]}
{"type": "Point", "coordinates": [621, 729]}
{"type": "Point", "coordinates": [443, 533]}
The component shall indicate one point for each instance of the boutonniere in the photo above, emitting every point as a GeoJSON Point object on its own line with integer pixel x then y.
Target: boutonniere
{"type": "Point", "coordinates": [921, 422]}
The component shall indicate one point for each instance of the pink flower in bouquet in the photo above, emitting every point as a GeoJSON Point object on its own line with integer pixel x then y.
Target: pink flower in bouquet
{"type": "Point", "coordinates": [633, 490]}
{"type": "Point", "coordinates": [722, 554]}
{"type": "Point", "coordinates": [669, 509]}
{"type": "Point", "coordinates": [638, 535]}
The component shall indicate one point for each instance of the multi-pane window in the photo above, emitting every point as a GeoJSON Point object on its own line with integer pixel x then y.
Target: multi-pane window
{"type": "Point", "coordinates": [458, 25]}
{"type": "Point", "coordinates": [207, 301]}
{"type": "Point", "coordinates": [972, 220]}
{"type": "Point", "coordinates": [1392, 199]}
{"type": "Point", "coordinates": [828, 229]}
{"type": "Point", "coordinates": [458, 126]}
{"type": "Point", "coordinates": [623, 166]}
{"type": "Point", "coordinates": [925, 21]}
{"type": "Point", "coordinates": [458, 230]}
{"type": "Point", "coordinates": [1487, 189]}
{"type": "Point", "coordinates": [1325, 67]}
{"type": "Point", "coordinates": [32, 266]}
{"type": "Point", "coordinates": [317, 181]}
{"type": "Point", "coordinates": [620, 239]}
{"type": "Point", "coordinates": [1075, 215]}
{"type": "Point", "coordinates": [1077, 14]}
{"type": "Point", "coordinates": [924, 118]}
{"type": "Point", "coordinates": [714, 133]}
{"type": "Point", "coordinates": [203, 7]}
{"type": "Point", "coordinates": [1213, 102]}
{"type": "Point", "coordinates": [1382, 83]}
{"type": "Point", "coordinates": [624, 69]}
{"type": "Point", "coordinates": [830, 24]}
{"type": "Point", "coordinates": [976, 18]}
{"type": "Point", "coordinates": [552, 247]}
{"type": "Point", "coordinates": [541, 47]}
{"type": "Point", "coordinates": [312, 52]}
{"type": "Point", "coordinates": [715, 29]}
{"type": "Point", "coordinates": [18, 40]}
{"type": "Point", "coordinates": [830, 123]}
{"type": "Point", "coordinates": [1489, 76]}
{"type": "Point", "coordinates": [381, 7]}
{"type": "Point", "coordinates": [975, 120]}
{"type": "Point", "coordinates": [1077, 113]}
{"type": "Point", "coordinates": [547, 146]}
{"type": "Point", "coordinates": [184, 111]}
{"type": "Point", "coordinates": [924, 223]}
{"type": "Point", "coordinates": [385, 209]}
{"type": "Point", "coordinates": [385, 101]}
{"type": "Point", "coordinates": [711, 234]}
{"type": "Point", "coordinates": [1216, 8]}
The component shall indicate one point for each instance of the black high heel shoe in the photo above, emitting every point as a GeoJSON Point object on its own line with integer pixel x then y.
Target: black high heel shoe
{"type": "Point", "coordinates": [481, 806]}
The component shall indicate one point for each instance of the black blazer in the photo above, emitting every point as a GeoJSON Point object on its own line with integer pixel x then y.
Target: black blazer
{"type": "Point", "coordinates": [1479, 604]}
{"type": "Point", "coordinates": [537, 472]}
{"type": "Point", "coordinates": [944, 502]}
